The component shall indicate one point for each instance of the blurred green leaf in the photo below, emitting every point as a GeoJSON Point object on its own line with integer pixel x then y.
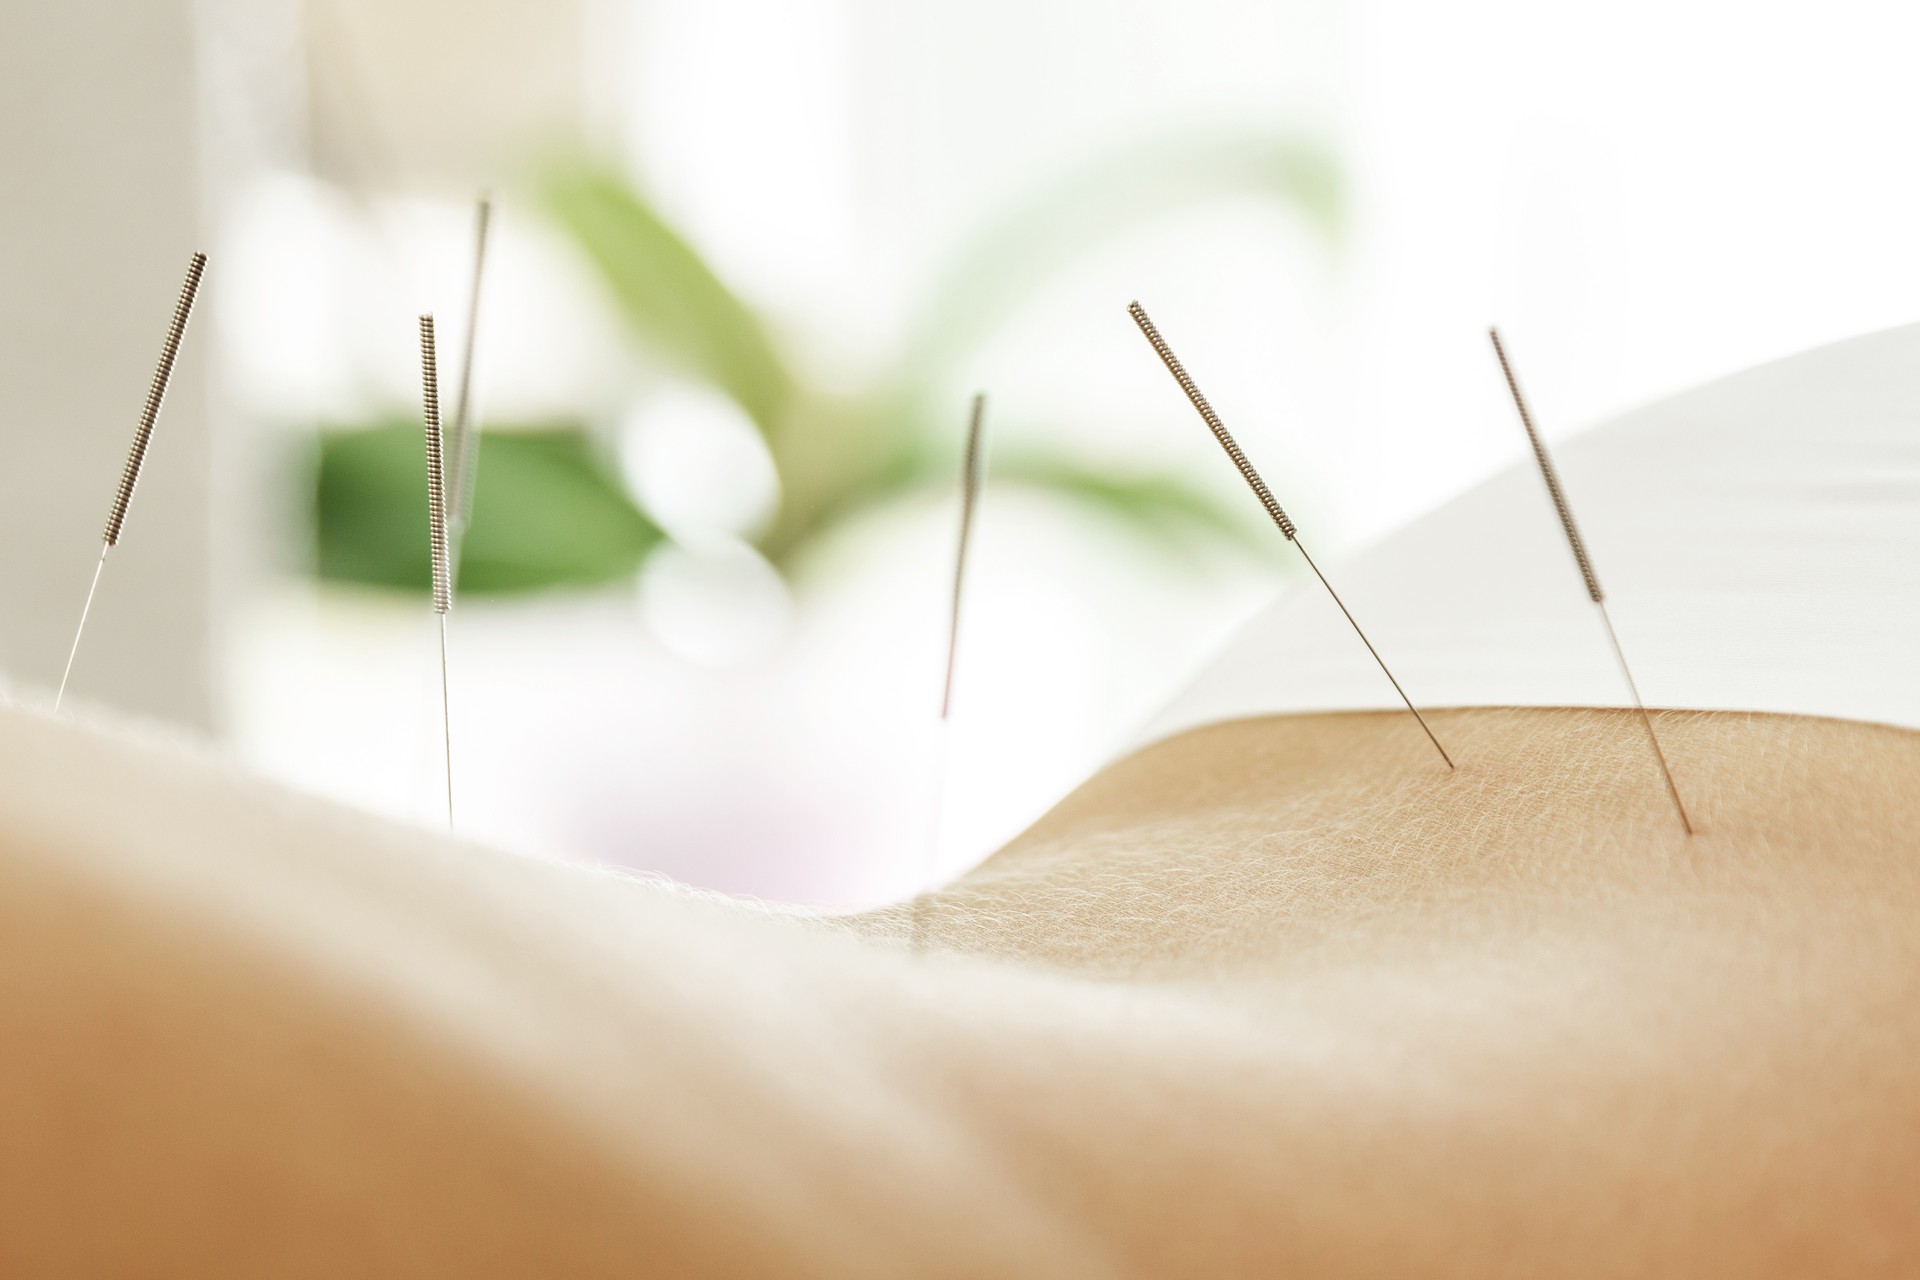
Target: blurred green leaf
{"type": "Point", "coordinates": [1004, 264]}
{"type": "Point", "coordinates": [547, 511]}
{"type": "Point", "coordinates": [1171, 509]}
{"type": "Point", "coordinates": [668, 293]}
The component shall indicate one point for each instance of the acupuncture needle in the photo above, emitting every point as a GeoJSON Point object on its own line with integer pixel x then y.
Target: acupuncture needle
{"type": "Point", "coordinates": [1268, 501]}
{"type": "Point", "coordinates": [1585, 562]}
{"type": "Point", "coordinates": [137, 456]}
{"type": "Point", "coordinates": [972, 468]}
{"type": "Point", "coordinates": [973, 462]}
{"type": "Point", "coordinates": [464, 446]}
{"type": "Point", "coordinates": [437, 529]}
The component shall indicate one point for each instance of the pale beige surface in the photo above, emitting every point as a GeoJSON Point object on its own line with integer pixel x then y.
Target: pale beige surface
{"type": "Point", "coordinates": [1272, 997]}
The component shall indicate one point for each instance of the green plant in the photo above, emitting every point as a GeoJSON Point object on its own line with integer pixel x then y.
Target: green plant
{"type": "Point", "coordinates": [555, 513]}
{"type": "Point", "coordinates": [548, 510]}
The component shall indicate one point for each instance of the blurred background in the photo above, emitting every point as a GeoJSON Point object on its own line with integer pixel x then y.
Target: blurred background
{"type": "Point", "coordinates": [749, 261]}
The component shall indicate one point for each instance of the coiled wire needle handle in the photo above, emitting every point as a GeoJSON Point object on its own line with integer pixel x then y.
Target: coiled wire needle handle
{"type": "Point", "coordinates": [1587, 575]}
{"type": "Point", "coordinates": [437, 528]}
{"type": "Point", "coordinates": [137, 455]}
{"type": "Point", "coordinates": [1267, 500]}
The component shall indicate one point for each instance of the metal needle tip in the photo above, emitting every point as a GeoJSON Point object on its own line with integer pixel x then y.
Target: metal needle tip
{"type": "Point", "coordinates": [972, 468]}
{"type": "Point", "coordinates": [1274, 511]}
{"type": "Point", "coordinates": [137, 455]}
{"type": "Point", "coordinates": [1587, 575]}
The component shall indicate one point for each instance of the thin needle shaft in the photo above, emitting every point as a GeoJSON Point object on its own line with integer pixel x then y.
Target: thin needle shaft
{"type": "Point", "coordinates": [446, 717]}
{"type": "Point", "coordinates": [970, 468]}
{"type": "Point", "coordinates": [137, 455]}
{"type": "Point", "coordinates": [1646, 721]}
{"type": "Point", "coordinates": [74, 649]}
{"type": "Point", "coordinates": [1267, 500]}
{"type": "Point", "coordinates": [1587, 574]}
{"type": "Point", "coordinates": [437, 528]}
{"type": "Point", "coordinates": [1375, 652]}
{"type": "Point", "coordinates": [463, 468]}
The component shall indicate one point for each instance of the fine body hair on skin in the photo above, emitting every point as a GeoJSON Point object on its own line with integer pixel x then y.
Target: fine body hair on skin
{"type": "Point", "coordinates": [1276, 996]}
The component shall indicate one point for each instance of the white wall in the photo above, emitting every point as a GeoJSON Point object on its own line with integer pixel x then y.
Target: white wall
{"type": "Point", "coordinates": [1643, 194]}
{"type": "Point", "coordinates": [99, 214]}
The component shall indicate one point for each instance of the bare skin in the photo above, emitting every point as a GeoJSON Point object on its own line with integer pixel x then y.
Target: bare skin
{"type": "Point", "coordinates": [1275, 997]}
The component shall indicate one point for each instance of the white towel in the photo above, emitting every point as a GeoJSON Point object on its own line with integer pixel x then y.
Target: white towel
{"type": "Point", "coordinates": [1758, 541]}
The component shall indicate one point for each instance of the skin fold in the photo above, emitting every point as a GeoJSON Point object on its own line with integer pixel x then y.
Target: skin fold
{"type": "Point", "coordinates": [1278, 996]}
